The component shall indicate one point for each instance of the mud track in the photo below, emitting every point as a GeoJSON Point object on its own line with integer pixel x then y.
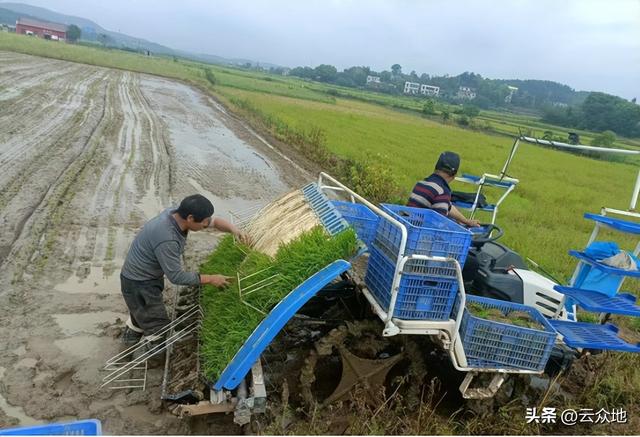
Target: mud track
{"type": "Point", "coordinates": [87, 155]}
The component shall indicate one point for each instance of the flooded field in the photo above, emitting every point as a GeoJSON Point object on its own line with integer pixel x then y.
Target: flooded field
{"type": "Point", "coordinates": [87, 155]}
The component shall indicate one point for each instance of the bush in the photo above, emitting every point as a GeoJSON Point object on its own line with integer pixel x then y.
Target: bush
{"type": "Point", "coordinates": [211, 78]}
{"type": "Point", "coordinates": [470, 111]}
{"type": "Point", "coordinates": [429, 107]}
{"type": "Point", "coordinates": [605, 139]}
{"type": "Point", "coordinates": [370, 178]}
{"type": "Point", "coordinates": [463, 120]}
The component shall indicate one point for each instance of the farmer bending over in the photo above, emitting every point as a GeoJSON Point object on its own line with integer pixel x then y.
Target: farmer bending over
{"type": "Point", "coordinates": [433, 192]}
{"type": "Point", "coordinates": [155, 252]}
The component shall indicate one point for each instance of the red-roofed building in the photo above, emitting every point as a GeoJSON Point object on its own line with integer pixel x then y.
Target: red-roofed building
{"type": "Point", "coordinates": [27, 26]}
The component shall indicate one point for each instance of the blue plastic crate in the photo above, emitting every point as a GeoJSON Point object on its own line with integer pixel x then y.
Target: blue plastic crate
{"type": "Point", "coordinates": [429, 233]}
{"type": "Point", "coordinates": [492, 344]}
{"type": "Point", "coordinates": [80, 427]}
{"type": "Point", "coordinates": [420, 297]}
{"type": "Point", "coordinates": [363, 220]}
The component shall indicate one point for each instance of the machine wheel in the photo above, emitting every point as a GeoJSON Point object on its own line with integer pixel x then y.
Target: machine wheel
{"type": "Point", "coordinates": [356, 355]}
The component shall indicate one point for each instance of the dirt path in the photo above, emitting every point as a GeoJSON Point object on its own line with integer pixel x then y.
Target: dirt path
{"type": "Point", "coordinates": [86, 156]}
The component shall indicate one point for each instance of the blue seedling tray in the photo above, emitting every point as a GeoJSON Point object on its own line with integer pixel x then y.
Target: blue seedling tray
{"type": "Point", "coordinates": [80, 427]}
{"type": "Point", "coordinates": [266, 331]}
{"type": "Point", "coordinates": [328, 215]}
{"type": "Point", "coordinates": [596, 302]}
{"type": "Point", "coordinates": [363, 220]}
{"type": "Point", "coordinates": [603, 267]}
{"type": "Point", "coordinates": [491, 344]}
{"type": "Point", "coordinates": [592, 336]}
{"type": "Point", "coordinates": [615, 223]}
{"type": "Point", "coordinates": [493, 183]}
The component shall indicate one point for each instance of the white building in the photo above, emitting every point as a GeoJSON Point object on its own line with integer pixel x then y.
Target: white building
{"type": "Point", "coordinates": [464, 92]}
{"type": "Point", "coordinates": [429, 90]}
{"type": "Point", "coordinates": [374, 79]}
{"type": "Point", "coordinates": [411, 87]}
{"type": "Point", "coordinates": [512, 91]}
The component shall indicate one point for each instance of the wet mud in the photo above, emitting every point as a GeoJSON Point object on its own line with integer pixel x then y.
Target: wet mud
{"type": "Point", "coordinates": [87, 155]}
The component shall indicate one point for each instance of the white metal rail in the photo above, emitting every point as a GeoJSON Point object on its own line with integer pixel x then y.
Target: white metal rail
{"type": "Point", "coordinates": [394, 326]}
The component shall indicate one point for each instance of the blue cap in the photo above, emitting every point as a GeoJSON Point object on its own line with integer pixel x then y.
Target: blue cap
{"type": "Point", "coordinates": [449, 162]}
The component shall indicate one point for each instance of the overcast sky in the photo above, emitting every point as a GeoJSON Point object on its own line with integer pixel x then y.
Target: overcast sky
{"type": "Point", "coordinates": [586, 44]}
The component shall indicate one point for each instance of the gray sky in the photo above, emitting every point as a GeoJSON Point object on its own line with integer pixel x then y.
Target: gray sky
{"type": "Point", "coordinates": [591, 45]}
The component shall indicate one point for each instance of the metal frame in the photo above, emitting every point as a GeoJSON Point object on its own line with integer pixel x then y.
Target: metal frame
{"type": "Point", "coordinates": [636, 188]}
{"type": "Point", "coordinates": [117, 365]}
{"type": "Point", "coordinates": [596, 230]}
{"type": "Point", "coordinates": [487, 179]}
{"type": "Point", "coordinates": [445, 331]}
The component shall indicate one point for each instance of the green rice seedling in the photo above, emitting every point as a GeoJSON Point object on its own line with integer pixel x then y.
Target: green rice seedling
{"type": "Point", "coordinates": [517, 318]}
{"type": "Point", "coordinates": [230, 315]}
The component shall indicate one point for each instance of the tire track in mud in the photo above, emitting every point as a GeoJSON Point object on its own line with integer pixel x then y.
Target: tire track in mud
{"type": "Point", "coordinates": [13, 171]}
{"type": "Point", "coordinates": [25, 127]}
{"type": "Point", "coordinates": [33, 83]}
{"type": "Point", "coordinates": [28, 134]}
{"type": "Point", "coordinates": [114, 162]}
{"type": "Point", "coordinates": [132, 168]}
{"type": "Point", "coordinates": [65, 151]}
{"type": "Point", "coordinates": [156, 184]}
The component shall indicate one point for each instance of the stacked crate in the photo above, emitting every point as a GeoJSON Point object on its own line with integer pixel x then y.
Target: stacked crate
{"type": "Point", "coordinates": [427, 288]}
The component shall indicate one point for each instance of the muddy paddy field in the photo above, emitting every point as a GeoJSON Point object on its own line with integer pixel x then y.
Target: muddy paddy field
{"type": "Point", "coordinates": [87, 155]}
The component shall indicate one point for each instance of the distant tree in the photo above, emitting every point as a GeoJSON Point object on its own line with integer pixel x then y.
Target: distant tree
{"type": "Point", "coordinates": [470, 111]}
{"type": "Point", "coordinates": [73, 33]}
{"type": "Point", "coordinates": [385, 76]}
{"type": "Point", "coordinates": [105, 39]}
{"type": "Point", "coordinates": [463, 120]}
{"type": "Point", "coordinates": [445, 116]}
{"type": "Point", "coordinates": [357, 76]}
{"type": "Point", "coordinates": [602, 111]}
{"type": "Point", "coordinates": [326, 73]}
{"type": "Point", "coordinates": [429, 107]}
{"type": "Point", "coordinates": [304, 72]}
{"type": "Point", "coordinates": [606, 139]}
{"type": "Point", "coordinates": [548, 135]}
{"type": "Point", "coordinates": [208, 73]}
{"type": "Point", "coordinates": [277, 70]}
{"type": "Point", "coordinates": [396, 69]}
{"type": "Point", "coordinates": [633, 100]}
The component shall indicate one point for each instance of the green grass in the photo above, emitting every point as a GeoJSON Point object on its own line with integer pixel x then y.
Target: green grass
{"type": "Point", "coordinates": [542, 217]}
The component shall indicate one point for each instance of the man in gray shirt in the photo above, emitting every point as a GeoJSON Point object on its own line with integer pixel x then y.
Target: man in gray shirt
{"type": "Point", "coordinates": [155, 252]}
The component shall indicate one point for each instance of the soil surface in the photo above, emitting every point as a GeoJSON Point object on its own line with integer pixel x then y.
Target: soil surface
{"type": "Point", "coordinates": [87, 155]}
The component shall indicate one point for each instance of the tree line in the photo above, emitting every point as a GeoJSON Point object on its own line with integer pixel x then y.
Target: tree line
{"type": "Point", "coordinates": [557, 103]}
{"type": "Point", "coordinates": [489, 92]}
{"type": "Point", "coordinates": [599, 112]}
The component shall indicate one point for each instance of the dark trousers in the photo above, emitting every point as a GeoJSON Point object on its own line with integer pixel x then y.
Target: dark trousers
{"type": "Point", "coordinates": [144, 300]}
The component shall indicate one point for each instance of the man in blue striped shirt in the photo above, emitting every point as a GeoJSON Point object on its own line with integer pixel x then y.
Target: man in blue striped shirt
{"type": "Point", "coordinates": [434, 192]}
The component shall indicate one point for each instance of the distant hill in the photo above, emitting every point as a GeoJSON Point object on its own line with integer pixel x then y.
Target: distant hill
{"type": "Point", "coordinates": [91, 31]}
